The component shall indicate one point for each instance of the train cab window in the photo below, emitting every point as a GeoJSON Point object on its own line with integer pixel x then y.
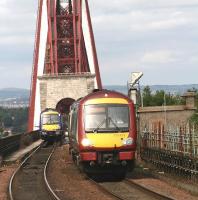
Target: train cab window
{"type": "Point", "coordinates": [106, 118]}
{"type": "Point", "coordinates": [118, 116]}
{"type": "Point", "coordinates": [50, 119]}
{"type": "Point", "coordinates": [95, 116]}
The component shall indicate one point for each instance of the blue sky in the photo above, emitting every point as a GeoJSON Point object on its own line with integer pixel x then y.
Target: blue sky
{"type": "Point", "coordinates": [159, 38]}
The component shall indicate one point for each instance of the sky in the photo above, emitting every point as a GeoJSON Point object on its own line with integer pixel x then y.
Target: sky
{"type": "Point", "coordinates": [158, 37]}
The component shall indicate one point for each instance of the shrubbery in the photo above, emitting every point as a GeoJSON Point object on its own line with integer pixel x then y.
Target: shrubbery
{"type": "Point", "coordinates": [15, 118]}
{"type": "Point", "coordinates": [160, 98]}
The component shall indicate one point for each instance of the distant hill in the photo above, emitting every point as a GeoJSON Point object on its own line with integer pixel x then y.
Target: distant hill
{"type": "Point", "coordinates": [173, 89]}
{"type": "Point", "coordinates": [118, 88]}
{"type": "Point", "coordinates": [17, 93]}
{"type": "Point", "coordinates": [14, 93]}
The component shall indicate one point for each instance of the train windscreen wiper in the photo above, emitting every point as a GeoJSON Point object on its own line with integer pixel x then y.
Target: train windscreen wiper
{"type": "Point", "coordinates": [114, 123]}
{"type": "Point", "coordinates": [98, 127]}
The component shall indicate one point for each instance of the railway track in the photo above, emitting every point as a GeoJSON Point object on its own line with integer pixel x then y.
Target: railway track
{"type": "Point", "coordinates": [30, 180]}
{"type": "Point", "coordinates": [129, 190]}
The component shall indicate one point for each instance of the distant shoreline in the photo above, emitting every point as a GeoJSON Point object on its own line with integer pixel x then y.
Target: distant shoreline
{"type": "Point", "coordinates": [23, 93]}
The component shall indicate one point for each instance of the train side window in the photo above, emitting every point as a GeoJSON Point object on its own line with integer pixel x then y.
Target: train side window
{"type": "Point", "coordinates": [74, 123]}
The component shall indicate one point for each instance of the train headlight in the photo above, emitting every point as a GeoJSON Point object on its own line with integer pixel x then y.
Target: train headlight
{"type": "Point", "coordinates": [57, 132]}
{"type": "Point", "coordinates": [43, 133]}
{"type": "Point", "coordinates": [128, 141]}
{"type": "Point", "coordinates": [86, 142]}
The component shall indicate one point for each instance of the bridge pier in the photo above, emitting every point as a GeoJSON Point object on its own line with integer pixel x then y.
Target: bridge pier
{"type": "Point", "coordinates": [55, 88]}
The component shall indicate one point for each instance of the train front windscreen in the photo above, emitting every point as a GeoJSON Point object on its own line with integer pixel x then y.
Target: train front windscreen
{"type": "Point", "coordinates": [106, 118]}
{"type": "Point", "coordinates": [50, 119]}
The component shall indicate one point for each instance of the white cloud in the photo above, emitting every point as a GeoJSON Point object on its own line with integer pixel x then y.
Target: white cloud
{"type": "Point", "coordinates": [194, 60]}
{"type": "Point", "coordinates": [148, 36]}
{"type": "Point", "coordinates": [131, 35]}
{"type": "Point", "coordinates": [13, 40]}
{"type": "Point", "coordinates": [2, 2]}
{"type": "Point", "coordinates": [159, 57]}
{"type": "Point", "coordinates": [160, 24]}
{"type": "Point", "coordinates": [124, 6]}
{"type": "Point", "coordinates": [18, 74]}
{"type": "Point", "coordinates": [141, 20]}
{"type": "Point", "coordinates": [17, 21]}
{"type": "Point", "coordinates": [2, 69]}
{"type": "Point", "coordinates": [3, 9]}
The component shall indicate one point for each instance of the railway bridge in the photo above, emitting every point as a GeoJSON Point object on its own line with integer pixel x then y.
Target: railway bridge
{"type": "Point", "coordinates": [65, 68]}
{"type": "Point", "coordinates": [65, 65]}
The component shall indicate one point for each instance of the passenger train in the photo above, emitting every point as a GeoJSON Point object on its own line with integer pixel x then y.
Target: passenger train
{"type": "Point", "coordinates": [51, 125]}
{"type": "Point", "coordinates": [102, 132]}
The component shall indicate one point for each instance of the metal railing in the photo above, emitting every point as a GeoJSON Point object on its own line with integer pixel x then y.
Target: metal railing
{"type": "Point", "coordinates": [173, 149]}
{"type": "Point", "coordinates": [12, 143]}
{"type": "Point", "coordinates": [182, 139]}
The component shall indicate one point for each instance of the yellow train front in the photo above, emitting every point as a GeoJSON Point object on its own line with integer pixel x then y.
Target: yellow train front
{"type": "Point", "coordinates": [51, 125]}
{"type": "Point", "coordinates": [102, 132]}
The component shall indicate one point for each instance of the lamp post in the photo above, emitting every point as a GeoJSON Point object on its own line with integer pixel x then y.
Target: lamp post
{"type": "Point", "coordinates": [134, 93]}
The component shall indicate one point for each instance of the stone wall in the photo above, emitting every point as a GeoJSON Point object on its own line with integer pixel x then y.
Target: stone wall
{"type": "Point", "coordinates": [54, 88]}
{"type": "Point", "coordinates": [167, 115]}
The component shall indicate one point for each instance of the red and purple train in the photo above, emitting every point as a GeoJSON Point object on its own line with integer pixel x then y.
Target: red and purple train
{"type": "Point", "coordinates": [102, 132]}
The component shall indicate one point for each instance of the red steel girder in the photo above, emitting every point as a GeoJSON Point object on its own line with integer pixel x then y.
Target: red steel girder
{"type": "Point", "coordinates": [65, 46]}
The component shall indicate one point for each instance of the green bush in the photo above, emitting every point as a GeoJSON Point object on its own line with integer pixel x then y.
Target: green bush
{"type": "Point", "coordinates": [14, 118]}
{"type": "Point", "coordinates": [160, 98]}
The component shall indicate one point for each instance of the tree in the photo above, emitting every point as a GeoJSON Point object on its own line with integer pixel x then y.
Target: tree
{"type": "Point", "coordinates": [160, 98]}
{"type": "Point", "coordinates": [194, 117]}
{"type": "Point", "coordinates": [147, 97]}
{"type": "Point", "coordinates": [15, 118]}
{"type": "Point", "coordinates": [7, 120]}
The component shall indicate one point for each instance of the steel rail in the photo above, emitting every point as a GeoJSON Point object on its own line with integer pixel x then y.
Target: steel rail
{"type": "Point", "coordinates": [17, 170]}
{"type": "Point", "coordinates": [131, 184]}
{"type": "Point", "coordinates": [51, 192]}
{"type": "Point", "coordinates": [45, 177]}
{"type": "Point", "coordinates": [145, 189]}
{"type": "Point", "coordinates": [104, 190]}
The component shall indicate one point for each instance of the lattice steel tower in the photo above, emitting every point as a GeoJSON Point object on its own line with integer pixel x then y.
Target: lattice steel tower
{"type": "Point", "coordinates": [64, 45]}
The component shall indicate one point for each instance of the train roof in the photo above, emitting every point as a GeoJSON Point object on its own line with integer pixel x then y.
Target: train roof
{"type": "Point", "coordinates": [49, 111]}
{"type": "Point", "coordinates": [104, 94]}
